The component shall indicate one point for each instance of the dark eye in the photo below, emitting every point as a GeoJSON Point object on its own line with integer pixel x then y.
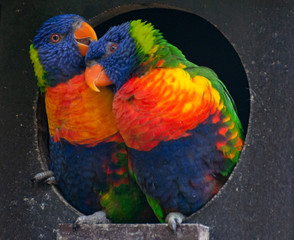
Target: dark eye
{"type": "Point", "coordinates": [55, 38]}
{"type": "Point", "coordinates": [112, 47]}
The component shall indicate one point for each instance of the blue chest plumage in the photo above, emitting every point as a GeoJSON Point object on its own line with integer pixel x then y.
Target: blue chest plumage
{"type": "Point", "coordinates": [81, 172]}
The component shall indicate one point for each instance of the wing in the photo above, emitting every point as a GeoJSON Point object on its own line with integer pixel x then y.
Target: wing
{"type": "Point", "coordinates": [167, 103]}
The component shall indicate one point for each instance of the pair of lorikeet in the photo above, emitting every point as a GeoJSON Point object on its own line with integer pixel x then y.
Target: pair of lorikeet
{"type": "Point", "coordinates": [135, 128]}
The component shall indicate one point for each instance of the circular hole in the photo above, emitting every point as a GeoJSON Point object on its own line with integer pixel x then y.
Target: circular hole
{"type": "Point", "coordinates": [201, 43]}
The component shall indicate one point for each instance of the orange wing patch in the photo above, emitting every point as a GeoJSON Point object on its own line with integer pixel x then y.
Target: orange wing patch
{"type": "Point", "coordinates": [165, 104]}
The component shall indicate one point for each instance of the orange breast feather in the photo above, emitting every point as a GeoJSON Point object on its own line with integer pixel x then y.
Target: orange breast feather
{"type": "Point", "coordinates": [78, 114]}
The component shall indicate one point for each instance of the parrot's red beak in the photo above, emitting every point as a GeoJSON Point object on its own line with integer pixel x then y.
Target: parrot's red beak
{"type": "Point", "coordinates": [96, 77]}
{"type": "Point", "coordinates": [84, 35]}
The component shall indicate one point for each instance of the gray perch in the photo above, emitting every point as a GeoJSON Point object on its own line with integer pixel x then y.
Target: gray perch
{"type": "Point", "coordinates": [132, 232]}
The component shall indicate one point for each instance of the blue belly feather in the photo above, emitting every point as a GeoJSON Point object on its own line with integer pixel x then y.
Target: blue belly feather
{"type": "Point", "coordinates": [80, 172]}
{"type": "Point", "coordinates": [174, 172]}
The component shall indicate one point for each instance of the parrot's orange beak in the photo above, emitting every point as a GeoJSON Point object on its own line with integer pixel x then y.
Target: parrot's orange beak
{"type": "Point", "coordinates": [84, 35]}
{"type": "Point", "coordinates": [96, 77]}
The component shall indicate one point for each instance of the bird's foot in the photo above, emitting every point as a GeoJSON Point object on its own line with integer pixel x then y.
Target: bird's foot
{"type": "Point", "coordinates": [174, 219]}
{"type": "Point", "coordinates": [95, 218]}
{"type": "Point", "coordinates": [46, 176]}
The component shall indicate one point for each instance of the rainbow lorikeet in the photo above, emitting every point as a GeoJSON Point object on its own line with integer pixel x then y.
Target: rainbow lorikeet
{"type": "Point", "coordinates": [89, 159]}
{"type": "Point", "coordinates": [176, 118]}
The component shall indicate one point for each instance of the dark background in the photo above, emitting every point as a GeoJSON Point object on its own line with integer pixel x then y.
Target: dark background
{"type": "Point", "coordinates": [257, 202]}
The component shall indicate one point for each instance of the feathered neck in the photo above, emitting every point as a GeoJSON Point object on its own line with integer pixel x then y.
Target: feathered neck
{"type": "Point", "coordinates": [50, 71]}
{"type": "Point", "coordinates": [153, 50]}
{"type": "Point", "coordinates": [145, 37]}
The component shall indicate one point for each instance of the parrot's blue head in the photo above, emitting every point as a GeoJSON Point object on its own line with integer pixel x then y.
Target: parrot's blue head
{"type": "Point", "coordinates": [116, 53]}
{"type": "Point", "coordinates": [59, 48]}
{"type": "Point", "coordinates": [123, 52]}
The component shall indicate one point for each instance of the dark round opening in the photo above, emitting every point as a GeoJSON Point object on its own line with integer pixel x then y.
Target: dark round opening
{"type": "Point", "coordinates": [200, 42]}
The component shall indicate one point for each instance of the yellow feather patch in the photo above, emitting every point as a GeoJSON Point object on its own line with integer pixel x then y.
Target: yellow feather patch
{"type": "Point", "coordinates": [143, 35]}
{"type": "Point", "coordinates": [182, 65]}
{"type": "Point", "coordinates": [187, 107]}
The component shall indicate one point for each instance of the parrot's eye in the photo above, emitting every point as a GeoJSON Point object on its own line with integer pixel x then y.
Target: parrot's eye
{"type": "Point", "coordinates": [112, 47]}
{"type": "Point", "coordinates": [55, 38]}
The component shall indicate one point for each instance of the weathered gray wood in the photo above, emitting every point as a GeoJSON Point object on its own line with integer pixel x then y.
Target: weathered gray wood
{"type": "Point", "coordinates": [132, 232]}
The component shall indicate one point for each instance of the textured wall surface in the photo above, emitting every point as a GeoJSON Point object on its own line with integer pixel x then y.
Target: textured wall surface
{"type": "Point", "coordinates": [256, 203]}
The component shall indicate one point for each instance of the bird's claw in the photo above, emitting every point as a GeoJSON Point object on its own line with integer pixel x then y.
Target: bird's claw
{"type": "Point", "coordinates": [51, 180]}
{"type": "Point", "coordinates": [46, 176]}
{"type": "Point", "coordinates": [95, 218]}
{"type": "Point", "coordinates": [174, 219]}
